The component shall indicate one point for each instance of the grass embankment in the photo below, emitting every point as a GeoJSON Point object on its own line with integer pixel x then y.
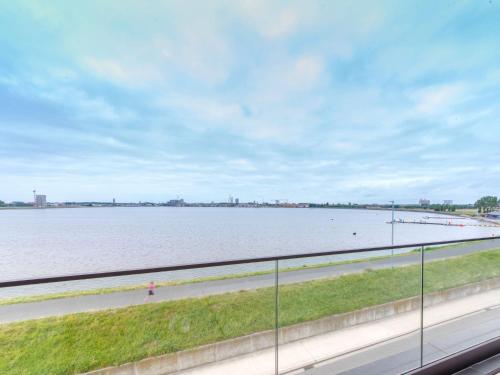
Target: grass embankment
{"type": "Point", "coordinates": [82, 342]}
{"type": "Point", "coordinates": [125, 288]}
{"type": "Point", "coordinates": [466, 211]}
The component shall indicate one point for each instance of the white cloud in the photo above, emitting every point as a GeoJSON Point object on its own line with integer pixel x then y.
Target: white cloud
{"type": "Point", "coordinates": [305, 73]}
{"type": "Point", "coordinates": [121, 73]}
{"type": "Point", "coordinates": [199, 50]}
{"type": "Point", "coordinates": [289, 74]}
{"type": "Point", "coordinates": [208, 110]}
{"type": "Point", "coordinates": [460, 118]}
{"type": "Point", "coordinates": [86, 107]}
{"type": "Point", "coordinates": [242, 165]}
{"type": "Point", "coordinates": [271, 21]}
{"type": "Point", "coordinates": [438, 99]}
{"type": "Point", "coordinates": [388, 181]}
{"type": "Point", "coordinates": [263, 109]}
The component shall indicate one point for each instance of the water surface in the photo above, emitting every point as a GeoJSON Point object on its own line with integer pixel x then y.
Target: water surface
{"type": "Point", "coordinates": [78, 240]}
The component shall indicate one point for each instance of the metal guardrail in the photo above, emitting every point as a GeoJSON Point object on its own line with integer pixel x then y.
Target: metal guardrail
{"type": "Point", "coordinates": [139, 271]}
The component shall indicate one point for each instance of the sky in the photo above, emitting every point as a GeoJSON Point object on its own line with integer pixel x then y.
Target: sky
{"type": "Point", "coordinates": [309, 101]}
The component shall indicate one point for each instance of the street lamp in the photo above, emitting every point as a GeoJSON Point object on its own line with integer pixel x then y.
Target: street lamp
{"type": "Point", "coordinates": [392, 232]}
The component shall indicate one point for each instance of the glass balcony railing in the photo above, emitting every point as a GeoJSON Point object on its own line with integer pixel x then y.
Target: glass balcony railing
{"type": "Point", "coordinates": [386, 310]}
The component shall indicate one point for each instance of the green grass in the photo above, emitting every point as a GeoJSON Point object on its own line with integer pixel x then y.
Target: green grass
{"type": "Point", "coordinates": [82, 342]}
{"type": "Point", "coordinates": [467, 211]}
{"type": "Point", "coordinates": [448, 246]}
{"type": "Point", "coordinates": [77, 293]}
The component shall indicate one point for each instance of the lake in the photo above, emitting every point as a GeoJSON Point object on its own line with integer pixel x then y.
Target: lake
{"type": "Point", "coordinates": [78, 240]}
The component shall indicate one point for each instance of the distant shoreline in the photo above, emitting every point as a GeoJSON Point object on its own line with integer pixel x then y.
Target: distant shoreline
{"type": "Point", "coordinates": [234, 206]}
{"type": "Point", "coordinates": [208, 205]}
{"type": "Point", "coordinates": [245, 205]}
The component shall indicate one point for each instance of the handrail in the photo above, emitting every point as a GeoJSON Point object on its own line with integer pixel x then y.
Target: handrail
{"type": "Point", "coordinates": [139, 271]}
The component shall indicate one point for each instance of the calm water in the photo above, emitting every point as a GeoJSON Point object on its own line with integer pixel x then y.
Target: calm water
{"type": "Point", "coordinates": [61, 241]}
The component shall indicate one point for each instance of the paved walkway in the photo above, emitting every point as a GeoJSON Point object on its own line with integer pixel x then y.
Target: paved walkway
{"type": "Point", "coordinates": [383, 347]}
{"type": "Point", "coordinates": [63, 306]}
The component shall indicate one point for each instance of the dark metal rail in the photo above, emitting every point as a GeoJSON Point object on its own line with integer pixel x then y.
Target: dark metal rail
{"type": "Point", "coordinates": [461, 360]}
{"type": "Point", "coordinates": [139, 271]}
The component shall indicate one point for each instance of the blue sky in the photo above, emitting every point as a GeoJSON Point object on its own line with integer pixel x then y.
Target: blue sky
{"type": "Point", "coordinates": [299, 100]}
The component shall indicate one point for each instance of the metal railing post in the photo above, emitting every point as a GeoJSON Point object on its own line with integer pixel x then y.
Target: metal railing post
{"type": "Point", "coordinates": [276, 318]}
{"type": "Point", "coordinates": [422, 259]}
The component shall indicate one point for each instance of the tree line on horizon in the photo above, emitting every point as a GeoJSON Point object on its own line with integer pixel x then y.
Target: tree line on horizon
{"type": "Point", "coordinates": [486, 204]}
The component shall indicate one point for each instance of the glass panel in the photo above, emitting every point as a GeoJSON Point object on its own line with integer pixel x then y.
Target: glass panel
{"type": "Point", "coordinates": [219, 320]}
{"type": "Point", "coordinates": [350, 313]}
{"type": "Point", "coordinates": [462, 297]}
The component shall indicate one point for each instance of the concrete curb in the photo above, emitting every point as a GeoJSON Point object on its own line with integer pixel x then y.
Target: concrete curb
{"type": "Point", "coordinates": [183, 360]}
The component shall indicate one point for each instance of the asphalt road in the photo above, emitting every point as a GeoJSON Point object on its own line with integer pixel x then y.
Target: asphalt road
{"type": "Point", "coordinates": [403, 354]}
{"type": "Point", "coordinates": [70, 305]}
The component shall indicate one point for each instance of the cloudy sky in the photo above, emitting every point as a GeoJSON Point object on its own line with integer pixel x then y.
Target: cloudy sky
{"type": "Point", "coordinates": [301, 100]}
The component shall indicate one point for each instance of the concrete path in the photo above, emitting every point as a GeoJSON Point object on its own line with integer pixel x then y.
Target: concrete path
{"type": "Point", "coordinates": [382, 347]}
{"type": "Point", "coordinates": [63, 306]}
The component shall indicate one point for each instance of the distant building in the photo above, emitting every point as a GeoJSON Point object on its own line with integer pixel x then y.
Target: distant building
{"type": "Point", "coordinates": [230, 200]}
{"type": "Point", "coordinates": [424, 202]}
{"type": "Point", "coordinates": [40, 201]}
{"type": "Point", "coordinates": [176, 202]}
{"type": "Point", "coordinates": [448, 202]}
{"type": "Point", "coordinates": [237, 200]}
